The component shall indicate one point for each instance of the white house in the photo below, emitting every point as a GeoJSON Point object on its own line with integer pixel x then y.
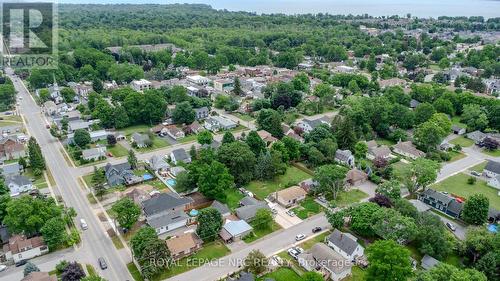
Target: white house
{"type": "Point", "coordinates": [324, 259]}
{"type": "Point", "coordinates": [344, 157]}
{"type": "Point", "coordinates": [345, 244]}
{"type": "Point", "coordinates": [18, 184]}
{"type": "Point", "coordinates": [94, 154]}
{"type": "Point", "coordinates": [21, 248]}
{"type": "Point", "coordinates": [166, 211]}
{"type": "Point", "coordinates": [141, 85]}
{"type": "Point", "coordinates": [198, 80]}
{"type": "Point", "coordinates": [217, 123]}
{"type": "Point", "coordinates": [494, 182]}
{"type": "Point", "coordinates": [492, 169]}
{"type": "Point", "coordinates": [180, 155]}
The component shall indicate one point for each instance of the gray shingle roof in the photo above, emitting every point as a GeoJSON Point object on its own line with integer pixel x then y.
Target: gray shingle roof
{"type": "Point", "coordinates": [180, 154]}
{"type": "Point", "coordinates": [493, 166]}
{"type": "Point", "coordinates": [222, 208]}
{"type": "Point", "coordinates": [18, 180]}
{"type": "Point", "coordinates": [343, 241]}
{"type": "Point", "coordinates": [166, 219]}
{"type": "Point", "coordinates": [163, 202]}
{"type": "Point", "coordinates": [429, 262]}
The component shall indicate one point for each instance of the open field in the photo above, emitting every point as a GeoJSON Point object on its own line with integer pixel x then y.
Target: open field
{"type": "Point", "coordinates": [292, 176]}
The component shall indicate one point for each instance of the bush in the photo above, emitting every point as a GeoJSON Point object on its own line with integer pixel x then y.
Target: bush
{"type": "Point", "coordinates": [471, 180]}
{"type": "Point", "coordinates": [61, 266]}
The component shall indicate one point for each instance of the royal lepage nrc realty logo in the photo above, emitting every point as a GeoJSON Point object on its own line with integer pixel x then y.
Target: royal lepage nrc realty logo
{"type": "Point", "coordinates": [29, 35]}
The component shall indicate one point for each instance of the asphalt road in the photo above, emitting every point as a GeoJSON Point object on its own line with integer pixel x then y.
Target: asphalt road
{"type": "Point", "coordinates": [95, 241]}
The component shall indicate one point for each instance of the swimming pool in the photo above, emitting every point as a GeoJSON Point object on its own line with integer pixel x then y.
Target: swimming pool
{"type": "Point", "coordinates": [171, 182]}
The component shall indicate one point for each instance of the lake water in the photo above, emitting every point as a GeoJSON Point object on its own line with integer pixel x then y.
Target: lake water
{"type": "Point", "coordinates": [420, 8]}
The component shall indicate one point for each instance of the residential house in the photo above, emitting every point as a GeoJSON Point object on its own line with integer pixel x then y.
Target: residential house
{"type": "Point", "coordinates": [494, 182]}
{"type": "Point", "coordinates": [414, 103]}
{"type": "Point", "coordinates": [492, 86]}
{"type": "Point", "coordinates": [192, 91]}
{"type": "Point", "coordinates": [95, 136]}
{"type": "Point", "coordinates": [140, 85]}
{"type": "Point", "coordinates": [477, 136]}
{"type": "Point", "coordinates": [428, 262]}
{"type": "Point", "coordinates": [175, 171]}
{"type": "Point", "coordinates": [18, 184]}
{"type": "Point", "coordinates": [50, 108]}
{"type": "Point", "coordinates": [392, 82]}
{"type": "Point", "coordinates": [308, 184]}
{"type": "Point", "coordinates": [11, 148]}
{"type": "Point", "coordinates": [138, 195]}
{"type": "Point", "coordinates": [442, 202]}
{"type": "Point", "coordinates": [166, 211]}
{"type": "Point", "coordinates": [9, 170]}
{"type": "Point", "coordinates": [249, 207]}
{"type": "Point", "coordinates": [345, 244]}
{"type": "Point", "coordinates": [21, 248]}
{"type": "Point", "coordinates": [94, 154]}
{"type": "Point", "coordinates": [266, 137]}
{"type": "Point", "coordinates": [356, 177]}
{"type": "Point", "coordinates": [81, 89]}
{"type": "Point", "coordinates": [307, 125]}
{"type": "Point", "coordinates": [235, 230]}
{"type": "Point", "coordinates": [78, 125]}
{"type": "Point", "coordinates": [180, 155]}
{"type": "Point", "coordinates": [223, 85]}
{"type": "Point", "coordinates": [140, 140]}
{"type": "Point", "coordinates": [193, 128]}
{"type": "Point", "coordinates": [344, 157]}
{"type": "Point", "coordinates": [39, 276]}
{"type": "Point", "coordinates": [198, 80]}
{"type": "Point", "coordinates": [118, 174]}
{"type": "Point", "coordinates": [407, 149]}
{"type": "Point", "coordinates": [175, 132]}
{"type": "Point", "coordinates": [201, 113]}
{"type": "Point", "coordinates": [217, 123]}
{"type": "Point", "coordinates": [325, 260]}
{"type": "Point", "coordinates": [55, 93]}
{"type": "Point", "coordinates": [382, 151]}
{"type": "Point", "coordinates": [183, 245]}
{"type": "Point", "coordinates": [457, 130]}
{"type": "Point", "coordinates": [222, 208]}
{"type": "Point", "coordinates": [290, 196]}
{"type": "Point", "coordinates": [492, 169]}
{"type": "Point", "coordinates": [157, 163]}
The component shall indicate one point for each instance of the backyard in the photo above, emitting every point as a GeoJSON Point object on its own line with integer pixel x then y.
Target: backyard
{"type": "Point", "coordinates": [292, 176]}
{"type": "Point", "coordinates": [281, 274]}
{"type": "Point", "coordinates": [156, 143]}
{"type": "Point", "coordinates": [233, 197]}
{"type": "Point", "coordinates": [458, 185]}
{"type": "Point", "coordinates": [39, 182]}
{"type": "Point", "coordinates": [307, 208]}
{"type": "Point", "coordinates": [244, 117]}
{"type": "Point", "coordinates": [117, 150]}
{"type": "Point", "coordinates": [494, 153]}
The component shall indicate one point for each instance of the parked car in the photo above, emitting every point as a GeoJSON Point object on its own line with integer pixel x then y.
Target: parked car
{"type": "Point", "coordinates": [298, 249]}
{"type": "Point", "coordinates": [451, 226]}
{"type": "Point", "coordinates": [2, 267]}
{"type": "Point", "coordinates": [102, 263]}
{"type": "Point", "coordinates": [294, 253]}
{"type": "Point", "coordinates": [299, 237]}
{"type": "Point", "coordinates": [316, 229]}
{"type": "Point", "coordinates": [83, 224]}
{"type": "Point", "coordinates": [290, 213]}
{"type": "Point", "coordinates": [474, 173]}
{"type": "Point", "coordinates": [278, 260]}
{"type": "Point", "coordinates": [21, 263]}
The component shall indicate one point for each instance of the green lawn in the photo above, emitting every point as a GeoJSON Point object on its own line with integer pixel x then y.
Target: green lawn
{"type": "Point", "coordinates": [456, 121]}
{"type": "Point", "coordinates": [292, 176]}
{"type": "Point", "coordinates": [357, 274]}
{"type": "Point", "coordinates": [381, 141]}
{"type": "Point", "coordinates": [479, 167]}
{"type": "Point", "coordinates": [259, 233]}
{"type": "Point", "coordinates": [462, 141]}
{"type": "Point", "coordinates": [458, 185]}
{"type": "Point", "coordinates": [307, 208]}
{"type": "Point", "coordinates": [88, 179]}
{"type": "Point", "coordinates": [156, 144]}
{"type": "Point", "coordinates": [156, 183]}
{"type": "Point", "coordinates": [135, 129]}
{"type": "Point", "coordinates": [210, 251]}
{"type": "Point", "coordinates": [12, 118]}
{"type": "Point", "coordinates": [117, 150]}
{"type": "Point", "coordinates": [349, 197]}
{"type": "Point", "coordinates": [233, 197]}
{"type": "Point", "coordinates": [317, 239]}
{"type": "Point", "coordinates": [244, 117]}
{"type": "Point", "coordinates": [494, 153]}
{"type": "Point", "coordinates": [281, 274]}
{"type": "Point", "coordinates": [39, 182]}
{"type": "Point", "coordinates": [455, 156]}
{"type": "Point", "coordinates": [134, 272]}
{"type": "Point", "coordinates": [189, 138]}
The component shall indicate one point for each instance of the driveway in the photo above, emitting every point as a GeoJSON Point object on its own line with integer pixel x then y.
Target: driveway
{"type": "Point", "coordinates": [284, 219]}
{"type": "Point", "coordinates": [459, 232]}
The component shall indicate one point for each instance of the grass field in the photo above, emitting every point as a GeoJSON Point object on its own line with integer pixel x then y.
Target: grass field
{"type": "Point", "coordinates": [462, 141]}
{"type": "Point", "coordinates": [134, 272]}
{"type": "Point", "coordinates": [494, 153]}
{"type": "Point", "coordinates": [189, 138]}
{"type": "Point", "coordinates": [307, 208]}
{"type": "Point", "coordinates": [244, 117]}
{"type": "Point", "coordinates": [458, 185]}
{"type": "Point", "coordinates": [259, 233]}
{"type": "Point", "coordinates": [117, 150]}
{"type": "Point", "coordinates": [292, 176]}
{"type": "Point", "coordinates": [317, 239]}
{"type": "Point", "coordinates": [157, 143]}
{"type": "Point", "coordinates": [210, 251]}
{"type": "Point", "coordinates": [233, 197]}
{"type": "Point", "coordinates": [281, 274]}
{"type": "Point", "coordinates": [349, 197]}
{"type": "Point", "coordinates": [357, 274]}
{"type": "Point", "coordinates": [381, 141]}
{"type": "Point", "coordinates": [455, 156]}
{"type": "Point", "coordinates": [135, 129]}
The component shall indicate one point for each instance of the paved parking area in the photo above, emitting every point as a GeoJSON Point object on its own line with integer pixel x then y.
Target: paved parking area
{"type": "Point", "coordinates": [282, 218]}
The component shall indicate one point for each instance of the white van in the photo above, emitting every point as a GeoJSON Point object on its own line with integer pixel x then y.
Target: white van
{"type": "Point", "coordinates": [83, 224]}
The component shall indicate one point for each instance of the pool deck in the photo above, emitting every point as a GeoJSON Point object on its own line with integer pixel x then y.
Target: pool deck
{"type": "Point", "coordinates": [164, 181]}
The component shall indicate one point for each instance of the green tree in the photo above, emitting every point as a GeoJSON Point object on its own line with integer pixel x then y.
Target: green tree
{"type": "Point", "coordinates": [183, 113]}
{"type": "Point", "coordinates": [256, 144]}
{"type": "Point", "coordinates": [476, 209]}
{"type": "Point", "coordinates": [132, 159]}
{"type": "Point", "coordinates": [237, 87]}
{"type": "Point", "coordinates": [474, 117]}
{"type": "Point", "coordinates": [155, 257]}
{"type": "Point", "coordinates": [228, 138]}
{"type": "Point", "coordinates": [214, 180]}
{"type": "Point", "coordinates": [256, 262]}
{"type": "Point", "coordinates": [344, 132]}
{"type": "Point", "coordinates": [388, 261]}
{"type": "Point", "coordinates": [209, 224]}
{"type": "Point", "coordinates": [68, 94]}
{"type": "Point", "coordinates": [423, 112]}
{"type": "Point", "coordinates": [362, 218]}
{"type": "Point", "coordinates": [391, 225]}
{"type": "Point", "coordinates": [263, 219]}
{"type": "Point", "coordinates": [82, 137]}
{"type": "Point", "coordinates": [127, 212]}
{"type": "Point", "coordinates": [270, 120]}
{"type": "Point", "coordinates": [360, 150]}
{"type": "Point", "coordinates": [239, 159]}
{"type": "Point", "coordinates": [28, 215]}
{"type": "Point", "coordinates": [205, 137]}
{"type": "Point", "coordinates": [312, 276]}
{"type": "Point", "coordinates": [140, 240]}
{"type": "Point", "coordinates": [391, 189]}
{"type": "Point", "coordinates": [30, 267]}
{"type": "Point", "coordinates": [447, 272]}
{"type": "Point", "coordinates": [331, 179]}
{"type": "Point", "coordinates": [54, 232]}
{"type": "Point", "coordinates": [336, 219]}
{"type": "Point", "coordinates": [36, 160]}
